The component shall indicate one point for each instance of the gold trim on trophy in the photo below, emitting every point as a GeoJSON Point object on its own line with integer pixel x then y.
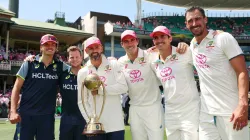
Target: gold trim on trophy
{"type": "Point", "coordinates": [92, 82]}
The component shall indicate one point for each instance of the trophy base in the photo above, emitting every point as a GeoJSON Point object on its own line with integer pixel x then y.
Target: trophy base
{"type": "Point", "coordinates": [93, 128]}
{"type": "Point", "coordinates": [93, 132]}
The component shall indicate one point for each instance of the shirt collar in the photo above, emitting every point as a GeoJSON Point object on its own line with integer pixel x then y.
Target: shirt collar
{"type": "Point", "coordinates": [70, 72]}
{"type": "Point", "coordinates": [39, 59]}
{"type": "Point", "coordinates": [209, 36]}
{"type": "Point", "coordinates": [140, 55]}
{"type": "Point", "coordinates": [173, 54]}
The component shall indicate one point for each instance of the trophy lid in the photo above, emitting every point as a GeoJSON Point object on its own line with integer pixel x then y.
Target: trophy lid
{"type": "Point", "coordinates": [92, 82]}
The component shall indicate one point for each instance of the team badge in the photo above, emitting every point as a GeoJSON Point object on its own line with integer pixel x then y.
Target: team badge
{"type": "Point", "coordinates": [107, 68]}
{"type": "Point", "coordinates": [37, 66]}
{"type": "Point", "coordinates": [142, 61]}
{"type": "Point", "coordinates": [174, 57]}
{"type": "Point", "coordinates": [210, 44]}
{"type": "Point", "coordinates": [54, 67]}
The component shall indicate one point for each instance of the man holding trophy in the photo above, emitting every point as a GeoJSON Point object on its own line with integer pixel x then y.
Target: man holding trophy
{"type": "Point", "coordinates": [103, 113]}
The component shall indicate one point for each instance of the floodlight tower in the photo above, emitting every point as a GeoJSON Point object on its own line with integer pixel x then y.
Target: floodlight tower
{"type": "Point", "coordinates": [138, 14]}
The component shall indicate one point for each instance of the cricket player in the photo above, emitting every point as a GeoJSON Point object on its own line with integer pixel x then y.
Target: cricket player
{"type": "Point", "coordinates": [146, 110]}
{"type": "Point", "coordinates": [175, 72]}
{"type": "Point", "coordinates": [72, 122]}
{"type": "Point", "coordinates": [115, 84]}
{"type": "Point", "coordinates": [223, 77]}
{"type": "Point", "coordinates": [38, 81]}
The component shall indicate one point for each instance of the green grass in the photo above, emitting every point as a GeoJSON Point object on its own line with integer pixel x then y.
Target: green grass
{"type": "Point", "coordinates": [7, 130]}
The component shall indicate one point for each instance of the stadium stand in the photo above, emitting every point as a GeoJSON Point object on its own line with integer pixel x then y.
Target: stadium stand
{"type": "Point", "coordinates": [239, 26]}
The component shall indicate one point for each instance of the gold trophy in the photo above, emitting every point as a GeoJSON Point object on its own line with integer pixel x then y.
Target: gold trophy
{"type": "Point", "coordinates": [92, 82]}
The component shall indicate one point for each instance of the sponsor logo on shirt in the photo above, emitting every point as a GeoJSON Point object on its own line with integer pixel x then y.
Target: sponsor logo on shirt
{"type": "Point", "coordinates": [44, 76]}
{"type": "Point", "coordinates": [201, 61]}
{"type": "Point", "coordinates": [69, 87]}
{"type": "Point", "coordinates": [103, 79]}
{"type": "Point", "coordinates": [136, 76]}
{"type": "Point", "coordinates": [166, 74]}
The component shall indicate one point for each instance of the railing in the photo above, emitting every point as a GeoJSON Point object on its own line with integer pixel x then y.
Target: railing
{"type": "Point", "coordinates": [59, 15]}
{"type": "Point", "coordinates": [208, 14]}
{"type": "Point", "coordinates": [16, 63]}
{"type": "Point", "coordinates": [5, 66]}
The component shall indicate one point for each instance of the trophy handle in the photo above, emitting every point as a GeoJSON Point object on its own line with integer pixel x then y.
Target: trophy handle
{"type": "Point", "coordinates": [83, 103]}
{"type": "Point", "coordinates": [104, 98]}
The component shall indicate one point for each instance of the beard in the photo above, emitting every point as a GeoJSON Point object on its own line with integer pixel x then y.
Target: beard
{"type": "Point", "coordinates": [95, 56]}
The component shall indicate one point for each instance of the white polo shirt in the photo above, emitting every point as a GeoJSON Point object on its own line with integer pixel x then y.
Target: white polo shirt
{"type": "Point", "coordinates": [218, 80]}
{"type": "Point", "coordinates": [115, 84]}
{"type": "Point", "coordinates": [177, 77]}
{"type": "Point", "coordinates": [142, 82]}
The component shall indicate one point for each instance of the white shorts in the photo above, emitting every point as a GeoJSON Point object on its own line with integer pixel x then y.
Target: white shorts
{"type": "Point", "coordinates": [182, 126]}
{"type": "Point", "coordinates": [220, 128]}
{"type": "Point", "coordinates": [147, 122]}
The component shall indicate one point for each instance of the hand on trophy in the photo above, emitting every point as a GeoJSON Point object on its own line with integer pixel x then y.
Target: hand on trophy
{"type": "Point", "coordinates": [93, 82]}
{"type": "Point", "coordinates": [95, 92]}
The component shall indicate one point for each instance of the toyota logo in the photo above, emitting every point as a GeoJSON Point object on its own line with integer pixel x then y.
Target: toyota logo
{"type": "Point", "coordinates": [201, 59]}
{"type": "Point", "coordinates": [166, 72]}
{"type": "Point", "coordinates": [102, 78]}
{"type": "Point", "coordinates": [135, 74]}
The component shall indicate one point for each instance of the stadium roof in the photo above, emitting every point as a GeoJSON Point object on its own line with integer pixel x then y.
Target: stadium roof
{"type": "Point", "coordinates": [104, 17]}
{"type": "Point", "coordinates": [34, 30]}
{"type": "Point", "coordinates": [208, 4]}
{"type": "Point", "coordinates": [6, 12]}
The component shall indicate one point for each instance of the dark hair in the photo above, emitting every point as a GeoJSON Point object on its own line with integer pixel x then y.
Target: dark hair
{"type": "Point", "coordinates": [191, 9]}
{"type": "Point", "coordinates": [73, 48]}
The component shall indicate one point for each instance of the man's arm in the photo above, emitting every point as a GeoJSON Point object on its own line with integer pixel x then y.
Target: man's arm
{"type": "Point", "coordinates": [120, 85]}
{"type": "Point", "coordinates": [232, 50]}
{"type": "Point", "coordinates": [21, 75]}
{"type": "Point", "coordinates": [240, 115]}
{"type": "Point", "coordinates": [15, 94]}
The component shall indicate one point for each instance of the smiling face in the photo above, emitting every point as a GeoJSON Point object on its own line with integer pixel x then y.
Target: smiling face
{"type": "Point", "coordinates": [74, 56]}
{"type": "Point", "coordinates": [94, 51]}
{"type": "Point", "coordinates": [130, 43]}
{"type": "Point", "coordinates": [196, 22]}
{"type": "Point", "coordinates": [48, 48]}
{"type": "Point", "coordinates": [162, 41]}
